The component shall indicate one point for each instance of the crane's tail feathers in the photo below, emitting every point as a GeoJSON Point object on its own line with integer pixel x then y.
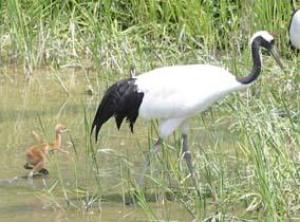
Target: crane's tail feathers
{"type": "Point", "coordinates": [121, 100]}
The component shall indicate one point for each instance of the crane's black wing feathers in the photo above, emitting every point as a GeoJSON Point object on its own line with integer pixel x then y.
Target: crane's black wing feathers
{"type": "Point", "coordinates": [121, 100]}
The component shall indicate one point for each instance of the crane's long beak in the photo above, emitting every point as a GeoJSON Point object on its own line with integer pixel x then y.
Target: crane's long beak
{"type": "Point", "coordinates": [275, 54]}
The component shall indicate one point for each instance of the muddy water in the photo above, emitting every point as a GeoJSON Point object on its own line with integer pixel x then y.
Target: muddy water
{"type": "Point", "coordinates": [38, 104]}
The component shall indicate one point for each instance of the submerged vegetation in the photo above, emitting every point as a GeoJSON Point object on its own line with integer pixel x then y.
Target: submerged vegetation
{"type": "Point", "coordinates": [246, 151]}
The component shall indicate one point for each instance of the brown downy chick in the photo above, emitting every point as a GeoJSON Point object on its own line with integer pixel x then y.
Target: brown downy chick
{"type": "Point", "coordinates": [36, 154]}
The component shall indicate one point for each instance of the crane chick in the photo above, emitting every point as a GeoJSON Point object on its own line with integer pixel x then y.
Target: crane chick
{"type": "Point", "coordinates": [36, 154]}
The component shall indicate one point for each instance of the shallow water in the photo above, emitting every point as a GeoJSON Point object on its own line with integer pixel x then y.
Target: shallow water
{"type": "Point", "coordinates": [20, 203]}
{"type": "Point", "coordinates": [38, 104]}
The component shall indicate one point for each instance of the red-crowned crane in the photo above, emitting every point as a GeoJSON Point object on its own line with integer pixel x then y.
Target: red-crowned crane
{"type": "Point", "coordinates": [294, 29]}
{"type": "Point", "coordinates": [173, 94]}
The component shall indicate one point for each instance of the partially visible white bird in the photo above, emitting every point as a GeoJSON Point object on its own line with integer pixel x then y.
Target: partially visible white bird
{"type": "Point", "coordinates": [173, 94]}
{"type": "Point", "coordinates": [294, 29]}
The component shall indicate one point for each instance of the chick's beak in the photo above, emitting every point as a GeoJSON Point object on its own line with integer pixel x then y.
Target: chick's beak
{"type": "Point", "coordinates": [66, 130]}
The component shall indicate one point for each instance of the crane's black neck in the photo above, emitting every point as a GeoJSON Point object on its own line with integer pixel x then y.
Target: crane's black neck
{"type": "Point", "coordinates": [256, 68]}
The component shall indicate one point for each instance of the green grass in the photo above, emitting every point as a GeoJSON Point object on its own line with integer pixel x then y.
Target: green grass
{"type": "Point", "coordinates": [245, 151]}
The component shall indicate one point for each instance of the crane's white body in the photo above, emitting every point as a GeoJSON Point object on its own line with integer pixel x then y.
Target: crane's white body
{"type": "Point", "coordinates": [294, 31]}
{"type": "Point", "coordinates": [176, 93]}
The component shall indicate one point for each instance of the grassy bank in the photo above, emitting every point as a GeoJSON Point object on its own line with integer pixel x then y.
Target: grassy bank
{"type": "Point", "coordinates": [114, 34]}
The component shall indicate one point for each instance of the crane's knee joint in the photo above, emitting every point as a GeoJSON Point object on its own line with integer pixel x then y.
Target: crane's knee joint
{"type": "Point", "coordinates": [187, 155]}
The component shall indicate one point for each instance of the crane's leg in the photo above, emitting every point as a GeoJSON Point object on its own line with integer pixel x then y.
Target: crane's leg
{"type": "Point", "coordinates": [37, 168]}
{"type": "Point", "coordinates": [188, 158]}
{"type": "Point", "coordinates": [154, 151]}
{"type": "Point", "coordinates": [166, 128]}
